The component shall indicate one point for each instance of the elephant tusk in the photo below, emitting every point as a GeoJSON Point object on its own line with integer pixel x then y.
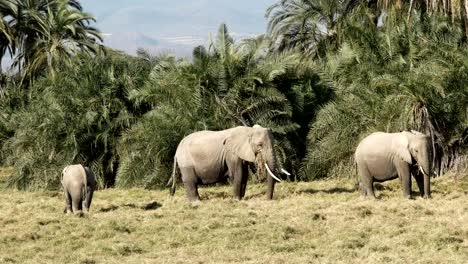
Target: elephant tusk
{"type": "Point", "coordinates": [271, 173]}
{"type": "Point", "coordinates": [285, 172]}
{"type": "Point", "coordinates": [422, 171]}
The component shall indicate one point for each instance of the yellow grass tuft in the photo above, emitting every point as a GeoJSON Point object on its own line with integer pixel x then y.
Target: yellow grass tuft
{"type": "Point", "coordinates": [6, 172]}
{"type": "Point", "coordinates": [317, 222]}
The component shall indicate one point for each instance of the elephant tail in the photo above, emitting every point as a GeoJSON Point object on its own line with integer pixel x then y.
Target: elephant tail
{"type": "Point", "coordinates": [173, 177]}
{"type": "Point", "coordinates": [64, 171]}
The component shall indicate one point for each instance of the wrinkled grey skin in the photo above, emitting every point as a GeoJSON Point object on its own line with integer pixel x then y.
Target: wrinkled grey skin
{"type": "Point", "coordinates": [207, 157]}
{"type": "Point", "coordinates": [386, 156]}
{"type": "Point", "coordinates": [78, 184]}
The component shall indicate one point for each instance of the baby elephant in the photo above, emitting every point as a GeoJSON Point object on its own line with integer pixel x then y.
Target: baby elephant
{"type": "Point", "coordinates": [78, 186]}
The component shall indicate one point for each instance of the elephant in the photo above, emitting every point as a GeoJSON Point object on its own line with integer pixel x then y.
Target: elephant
{"type": "Point", "coordinates": [385, 156]}
{"type": "Point", "coordinates": [78, 184]}
{"type": "Point", "coordinates": [207, 157]}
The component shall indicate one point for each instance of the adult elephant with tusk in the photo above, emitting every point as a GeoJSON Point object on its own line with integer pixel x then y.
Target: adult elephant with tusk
{"type": "Point", "coordinates": [386, 156]}
{"type": "Point", "coordinates": [206, 157]}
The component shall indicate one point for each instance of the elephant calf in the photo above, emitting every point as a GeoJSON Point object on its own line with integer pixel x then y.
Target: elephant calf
{"type": "Point", "coordinates": [78, 184]}
{"type": "Point", "coordinates": [386, 156]}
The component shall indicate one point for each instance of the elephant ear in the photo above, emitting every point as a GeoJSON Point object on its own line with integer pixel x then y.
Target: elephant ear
{"type": "Point", "coordinates": [400, 147]}
{"type": "Point", "coordinates": [239, 144]}
{"type": "Point", "coordinates": [90, 176]}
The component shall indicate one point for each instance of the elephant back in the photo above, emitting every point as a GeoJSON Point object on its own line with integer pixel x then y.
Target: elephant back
{"type": "Point", "coordinates": [72, 171]}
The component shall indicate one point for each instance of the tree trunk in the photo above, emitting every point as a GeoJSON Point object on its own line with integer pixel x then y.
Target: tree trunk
{"type": "Point", "coordinates": [464, 17]}
{"type": "Point", "coordinates": [410, 10]}
{"type": "Point", "coordinates": [110, 168]}
{"type": "Point", "coordinates": [451, 10]}
{"type": "Point", "coordinates": [444, 7]}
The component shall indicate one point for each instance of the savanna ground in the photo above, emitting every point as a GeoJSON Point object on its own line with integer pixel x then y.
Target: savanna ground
{"type": "Point", "coordinates": [315, 222]}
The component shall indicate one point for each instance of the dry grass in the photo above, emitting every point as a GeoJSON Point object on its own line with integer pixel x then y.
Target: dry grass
{"type": "Point", "coordinates": [6, 172]}
{"type": "Point", "coordinates": [316, 222]}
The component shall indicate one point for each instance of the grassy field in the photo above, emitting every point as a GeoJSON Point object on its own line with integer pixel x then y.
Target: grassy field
{"type": "Point", "coordinates": [315, 222]}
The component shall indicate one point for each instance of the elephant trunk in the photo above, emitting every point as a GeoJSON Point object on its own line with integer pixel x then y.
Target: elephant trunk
{"type": "Point", "coordinates": [271, 187]}
{"type": "Point", "coordinates": [430, 172]}
{"type": "Point", "coordinates": [425, 165]}
{"type": "Point", "coordinates": [270, 165]}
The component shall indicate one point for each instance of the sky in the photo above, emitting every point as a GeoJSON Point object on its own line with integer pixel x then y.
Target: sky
{"type": "Point", "coordinates": [174, 26]}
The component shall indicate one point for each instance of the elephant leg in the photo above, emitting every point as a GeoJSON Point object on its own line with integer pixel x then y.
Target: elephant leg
{"type": "Point", "coordinates": [237, 188]}
{"type": "Point", "coordinates": [68, 204]}
{"type": "Point", "coordinates": [367, 182]}
{"type": "Point", "coordinates": [245, 177]}
{"type": "Point", "coordinates": [189, 178]}
{"type": "Point", "coordinates": [75, 195]}
{"type": "Point", "coordinates": [368, 186]}
{"type": "Point", "coordinates": [89, 198]}
{"type": "Point", "coordinates": [236, 169]}
{"type": "Point", "coordinates": [81, 201]}
{"type": "Point", "coordinates": [404, 173]}
{"type": "Point", "coordinates": [75, 204]}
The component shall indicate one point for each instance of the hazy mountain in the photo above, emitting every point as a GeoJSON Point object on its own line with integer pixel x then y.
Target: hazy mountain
{"type": "Point", "coordinates": [176, 25]}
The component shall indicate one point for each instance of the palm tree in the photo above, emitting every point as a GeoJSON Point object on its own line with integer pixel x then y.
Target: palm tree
{"type": "Point", "coordinates": [177, 107]}
{"type": "Point", "coordinates": [464, 17]}
{"type": "Point", "coordinates": [457, 10]}
{"type": "Point", "coordinates": [314, 26]}
{"type": "Point", "coordinates": [44, 30]}
{"type": "Point", "coordinates": [309, 25]}
{"type": "Point", "coordinates": [400, 76]}
{"type": "Point", "coordinates": [226, 85]}
{"type": "Point", "coordinates": [6, 35]}
{"type": "Point", "coordinates": [75, 117]}
{"type": "Point", "coordinates": [63, 33]}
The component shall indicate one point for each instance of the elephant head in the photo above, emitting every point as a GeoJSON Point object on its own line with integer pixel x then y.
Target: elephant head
{"type": "Point", "coordinates": [415, 146]}
{"type": "Point", "coordinates": [255, 144]}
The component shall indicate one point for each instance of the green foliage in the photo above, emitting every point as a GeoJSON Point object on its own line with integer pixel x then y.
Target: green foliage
{"type": "Point", "coordinates": [401, 76]}
{"type": "Point", "coordinates": [42, 35]}
{"type": "Point", "coordinates": [147, 148]}
{"type": "Point", "coordinates": [311, 27]}
{"type": "Point", "coordinates": [226, 85]}
{"type": "Point", "coordinates": [75, 117]}
{"type": "Point", "coordinates": [326, 74]}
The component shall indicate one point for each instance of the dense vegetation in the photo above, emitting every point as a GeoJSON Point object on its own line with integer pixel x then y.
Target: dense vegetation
{"type": "Point", "coordinates": [324, 75]}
